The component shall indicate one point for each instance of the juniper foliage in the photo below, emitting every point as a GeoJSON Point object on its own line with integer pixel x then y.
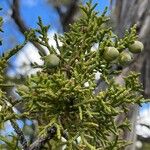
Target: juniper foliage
{"type": "Point", "coordinates": [67, 112]}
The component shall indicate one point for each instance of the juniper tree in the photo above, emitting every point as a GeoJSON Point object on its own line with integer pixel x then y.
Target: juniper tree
{"type": "Point", "coordinates": [66, 111]}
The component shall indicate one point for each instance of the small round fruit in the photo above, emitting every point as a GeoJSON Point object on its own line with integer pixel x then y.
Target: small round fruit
{"type": "Point", "coordinates": [23, 88]}
{"type": "Point", "coordinates": [136, 47]}
{"type": "Point", "coordinates": [51, 60]}
{"type": "Point", "coordinates": [111, 53]}
{"type": "Point", "coordinates": [125, 58]}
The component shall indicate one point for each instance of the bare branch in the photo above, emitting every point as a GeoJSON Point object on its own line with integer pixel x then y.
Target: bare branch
{"type": "Point", "coordinates": [40, 142]}
{"type": "Point", "coordinates": [21, 25]}
{"type": "Point", "coordinates": [59, 11]}
{"type": "Point", "coordinates": [143, 139]}
{"type": "Point", "coordinates": [67, 17]}
{"type": "Point", "coordinates": [20, 134]}
{"type": "Point", "coordinates": [70, 14]}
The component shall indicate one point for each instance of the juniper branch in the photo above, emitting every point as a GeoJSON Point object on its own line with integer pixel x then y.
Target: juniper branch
{"type": "Point", "coordinates": [15, 50]}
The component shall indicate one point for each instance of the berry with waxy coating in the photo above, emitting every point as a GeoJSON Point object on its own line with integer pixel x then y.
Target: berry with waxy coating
{"type": "Point", "coordinates": [23, 88]}
{"type": "Point", "coordinates": [111, 53]}
{"type": "Point", "coordinates": [125, 58]}
{"type": "Point", "coordinates": [51, 60]}
{"type": "Point", "coordinates": [136, 47]}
